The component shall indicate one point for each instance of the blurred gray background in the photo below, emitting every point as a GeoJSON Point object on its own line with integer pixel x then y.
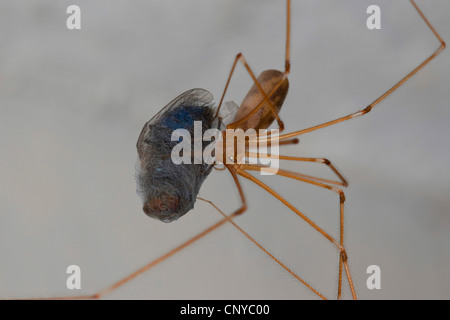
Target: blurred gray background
{"type": "Point", "coordinates": [73, 103]}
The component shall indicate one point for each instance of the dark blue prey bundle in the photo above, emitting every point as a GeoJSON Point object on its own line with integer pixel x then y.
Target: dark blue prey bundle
{"type": "Point", "coordinates": [169, 190]}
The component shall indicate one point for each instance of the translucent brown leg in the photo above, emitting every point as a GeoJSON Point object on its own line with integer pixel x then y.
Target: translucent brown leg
{"type": "Point", "coordinates": [343, 255]}
{"type": "Point", "coordinates": [240, 57]}
{"type": "Point", "coordinates": [232, 170]}
{"type": "Point", "coordinates": [384, 95]}
{"type": "Point", "coordinates": [343, 182]}
{"type": "Point", "coordinates": [316, 181]}
{"type": "Point", "coordinates": [150, 265]}
{"type": "Point", "coordinates": [313, 181]}
{"type": "Point", "coordinates": [167, 255]}
{"type": "Point", "coordinates": [266, 251]}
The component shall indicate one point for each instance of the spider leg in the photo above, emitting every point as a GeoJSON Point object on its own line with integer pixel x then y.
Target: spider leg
{"type": "Point", "coordinates": [240, 57]}
{"type": "Point", "coordinates": [316, 181]}
{"type": "Point", "coordinates": [385, 94]}
{"type": "Point", "coordinates": [343, 182]}
{"type": "Point", "coordinates": [165, 256]}
{"type": "Point", "coordinates": [290, 174]}
{"type": "Point", "coordinates": [265, 250]}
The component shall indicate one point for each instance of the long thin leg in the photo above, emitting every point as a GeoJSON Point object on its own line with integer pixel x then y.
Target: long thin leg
{"type": "Point", "coordinates": [343, 255]}
{"type": "Point", "coordinates": [240, 57]}
{"type": "Point", "coordinates": [265, 250]}
{"type": "Point", "coordinates": [313, 181]}
{"type": "Point", "coordinates": [150, 265]}
{"type": "Point", "coordinates": [164, 257]}
{"type": "Point", "coordinates": [384, 95]}
{"type": "Point", "coordinates": [310, 179]}
{"type": "Point", "coordinates": [182, 246]}
{"type": "Point", "coordinates": [325, 161]}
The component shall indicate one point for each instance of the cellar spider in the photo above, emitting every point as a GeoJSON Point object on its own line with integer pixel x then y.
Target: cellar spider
{"type": "Point", "coordinates": [246, 189]}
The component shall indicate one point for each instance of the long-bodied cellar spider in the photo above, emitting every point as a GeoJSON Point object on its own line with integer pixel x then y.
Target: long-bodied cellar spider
{"type": "Point", "coordinates": [33, 267]}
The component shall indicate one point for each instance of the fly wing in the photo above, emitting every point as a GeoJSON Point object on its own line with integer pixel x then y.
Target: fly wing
{"type": "Point", "coordinates": [228, 113]}
{"type": "Point", "coordinates": [193, 97]}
